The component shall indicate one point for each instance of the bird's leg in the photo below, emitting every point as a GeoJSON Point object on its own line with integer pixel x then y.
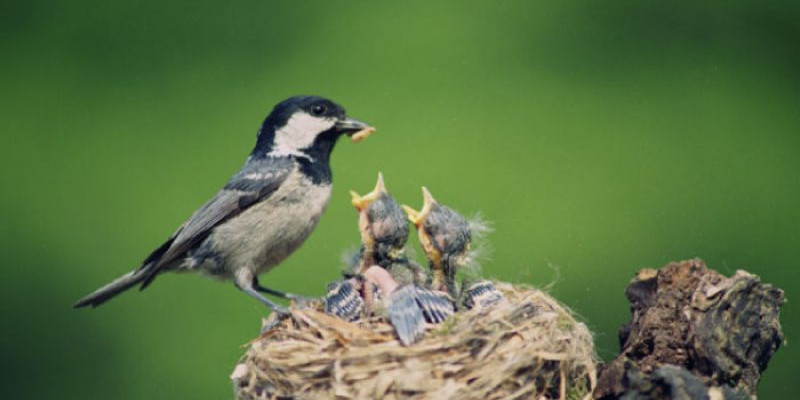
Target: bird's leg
{"type": "Point", "coordinates": [288, 296]}
{"type": "Point", "coordinates": [275, 307]}
{"type": "Point", "coordinates": [244, 281]}
{"type": "Point", "coordinates": [272, 292]}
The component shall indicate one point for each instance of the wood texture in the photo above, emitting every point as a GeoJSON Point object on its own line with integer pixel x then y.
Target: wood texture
{"type": "Point", "coordinates": [694, 334]}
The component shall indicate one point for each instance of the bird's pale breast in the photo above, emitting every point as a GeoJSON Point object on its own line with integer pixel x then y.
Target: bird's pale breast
{"type": "Point", "coordinates": [268, 232]}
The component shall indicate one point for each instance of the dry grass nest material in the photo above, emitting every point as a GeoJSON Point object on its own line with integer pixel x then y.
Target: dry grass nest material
{"type": "Point", "coordinates": [529, 347]}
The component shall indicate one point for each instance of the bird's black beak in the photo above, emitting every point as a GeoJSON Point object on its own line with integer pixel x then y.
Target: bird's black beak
{"type": "Point", "coordinates": [354, 128]}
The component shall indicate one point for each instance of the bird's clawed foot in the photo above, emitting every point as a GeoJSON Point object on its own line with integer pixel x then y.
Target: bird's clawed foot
{"type": "Point", "coordinates": [280, 315]}
{"type": "Point", "coordinates": [301, 301]}
{"type": "Point", "coordinates": [252, 288]}
{"type": "Point", "coordinates": [281, 311]}
{"type": "Point", "coordinates": [275, 307]}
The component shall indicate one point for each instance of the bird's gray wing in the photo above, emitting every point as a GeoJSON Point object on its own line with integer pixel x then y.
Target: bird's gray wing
{"type": "Point", "coordinates": [256, 181]}
{"type": "Point", "coordinates": [482, 294]}
{"type": "Point", "coordinates": [436, 306]}
{"type": "Point", "coordinates": [405, 315]}
{"type": "Point", "coordinates": [343, 300]}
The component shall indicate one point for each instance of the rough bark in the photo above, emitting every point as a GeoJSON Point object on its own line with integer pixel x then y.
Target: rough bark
{"type": "Point", "coordinates": [694, 334]}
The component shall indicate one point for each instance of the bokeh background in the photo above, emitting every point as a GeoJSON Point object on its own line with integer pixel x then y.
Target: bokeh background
{"type": "Point", "coordinates": [598, 138]}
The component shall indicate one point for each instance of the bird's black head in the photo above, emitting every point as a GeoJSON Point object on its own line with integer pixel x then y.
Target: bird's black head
{"type": "Point", "coordinates": [307, 127]}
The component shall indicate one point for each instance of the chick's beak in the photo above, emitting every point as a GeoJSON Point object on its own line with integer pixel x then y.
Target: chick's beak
{"type": "Point", "coordinates": [354, 128]}
{"type": "Point", "coordinates": [362, 202]}
{"type": "Point", "coordinates": [418, 217]}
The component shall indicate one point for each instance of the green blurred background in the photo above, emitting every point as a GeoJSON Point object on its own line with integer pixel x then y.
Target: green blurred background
{"type": "Point", "coordinates": [598, 138]}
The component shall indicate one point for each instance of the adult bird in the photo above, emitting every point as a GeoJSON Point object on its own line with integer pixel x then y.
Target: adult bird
{"type": "Point", "coordinates": [264, 212]}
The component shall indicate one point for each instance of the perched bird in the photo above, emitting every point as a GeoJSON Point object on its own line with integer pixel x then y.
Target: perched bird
{"type": "Point", "coordinates": [264, 212]}
{"type": "Point", "coordinates": [400, 304]}
{"type": "Point", "coordinates": [408, 306]}
{"type": "Point", "coordinates": [446, 238]}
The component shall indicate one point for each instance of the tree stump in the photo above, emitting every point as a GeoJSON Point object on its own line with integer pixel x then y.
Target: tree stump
{"type": "Point", "coordinates": [694, 334]}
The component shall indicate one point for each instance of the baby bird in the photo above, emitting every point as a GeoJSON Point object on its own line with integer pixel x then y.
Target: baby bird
{"type": "Point", "coordinates": [384, 231]}
{"type": "Point", "coordinates": [382, 226]}
{"type": "Point", "coordinates": [400, 304]}
{"type": "Point", "coordinates": [446, 237]}
{"type": "Point", "coordinates": [481, 295]}
{"type": "Point", "coordinates": [408, 306]}
{"type": "Point", "coordinates": [343, 298]}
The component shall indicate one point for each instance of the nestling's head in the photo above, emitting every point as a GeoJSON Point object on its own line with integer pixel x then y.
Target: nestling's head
{"type": "Point", "coordinates": [443, 233]}
{"type": "Point", "coordinates": [381, 221]}
{"type": "Point", "coordinates": [307, 126]}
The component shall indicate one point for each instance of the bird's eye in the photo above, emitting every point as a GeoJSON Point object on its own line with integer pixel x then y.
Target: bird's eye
{"type": "Point", "coordinates": [318, 110]}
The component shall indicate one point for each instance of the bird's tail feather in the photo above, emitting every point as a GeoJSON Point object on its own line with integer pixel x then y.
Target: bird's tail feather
{"type": "Point", "coordinates": [114, 288]}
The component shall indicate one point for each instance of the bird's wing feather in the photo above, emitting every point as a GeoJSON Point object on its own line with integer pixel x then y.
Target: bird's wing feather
{"type": "Point", "coordinates": [343, 300]}
{"type": "Point", "coordinates": [482, 294]}
{"type": "Point", "coordinates": [255, 182]}
{"type": "Point", "coordinates": [405, 315]}
{"type": "Point", "coordinates": [436, 306]}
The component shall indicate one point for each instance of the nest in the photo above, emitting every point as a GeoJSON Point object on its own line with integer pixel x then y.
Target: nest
{"type": "Point", "coordinates": [528, 347]}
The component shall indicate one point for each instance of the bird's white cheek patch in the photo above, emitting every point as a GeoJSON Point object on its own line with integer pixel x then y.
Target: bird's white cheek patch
{"type": "Point", "coordinates": [299, 133]}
